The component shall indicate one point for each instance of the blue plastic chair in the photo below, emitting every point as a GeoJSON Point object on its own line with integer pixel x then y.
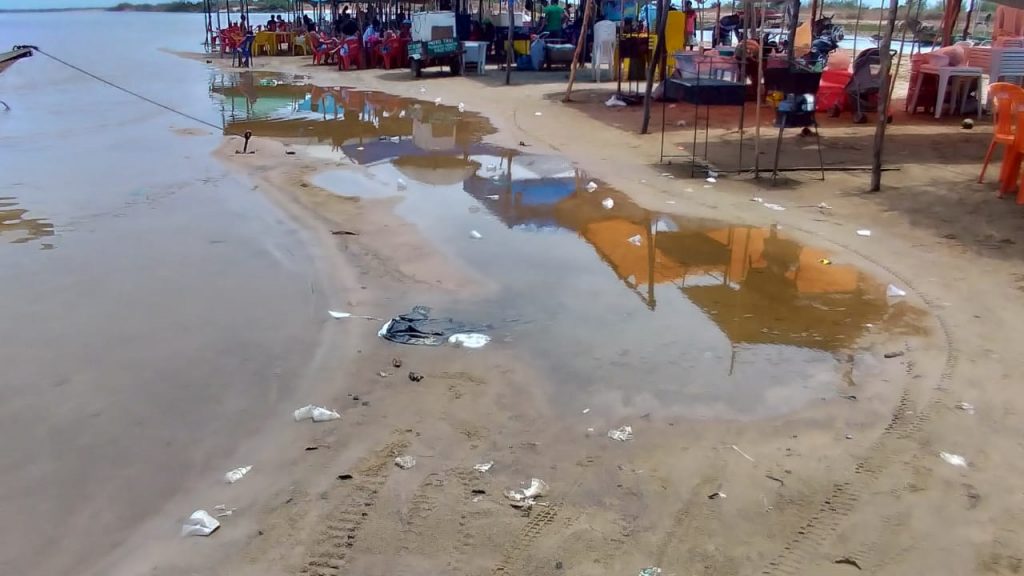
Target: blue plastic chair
{"type": "Point", "coordinates": [243, 54]}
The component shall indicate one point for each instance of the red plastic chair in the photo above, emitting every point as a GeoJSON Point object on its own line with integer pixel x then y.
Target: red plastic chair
{"type": "Point", "coordinates": [350, 54]}
{"type": "Point", "coordinates": [321, 48]}
{"type": "Point", "coordinates": [391, 52]}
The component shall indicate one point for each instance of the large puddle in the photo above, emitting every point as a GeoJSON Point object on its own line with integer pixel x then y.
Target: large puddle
{"type": "Point", "coordinates": [623, 307]}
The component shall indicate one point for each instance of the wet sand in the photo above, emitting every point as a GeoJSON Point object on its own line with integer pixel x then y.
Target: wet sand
{"type": "Point", "coordinates": [839, 460]}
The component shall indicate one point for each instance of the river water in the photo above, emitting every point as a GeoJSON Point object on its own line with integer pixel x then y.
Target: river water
{"type": "Point", "coordinates": [155, 308]}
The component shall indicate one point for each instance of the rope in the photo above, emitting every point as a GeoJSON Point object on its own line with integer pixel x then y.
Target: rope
{"type": "Point", "coordinates": [133, 93]}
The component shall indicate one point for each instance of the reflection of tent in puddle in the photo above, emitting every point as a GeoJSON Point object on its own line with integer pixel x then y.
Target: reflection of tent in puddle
{"type": "Point", "coordinates": [528, 187]}
{"type": "Point", "coordinates": [435, 169]}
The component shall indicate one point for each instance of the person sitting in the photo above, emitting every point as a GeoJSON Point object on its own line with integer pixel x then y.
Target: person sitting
{"type": "Point", "coordinates": [281, 25]}
{"type": "Point", "coordinates": [310, 25]}
{"type": "Point", "coordinates": [271, 25]}
{"type": "Point", "coordinates": [553, 16]}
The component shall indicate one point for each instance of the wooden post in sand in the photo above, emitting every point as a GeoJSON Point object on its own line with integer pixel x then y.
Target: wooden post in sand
{"type": "Point", "coordinates": [509, 50]}
{"type": "Point", "coordinates": [579, 49]}
{"type": "Point", "coordinates": [659, 49]}
{"type": "Point", "coordinates": [883, 97]}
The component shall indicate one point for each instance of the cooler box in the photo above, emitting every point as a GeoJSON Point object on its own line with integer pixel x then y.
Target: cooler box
{"type": "Point", "coordinates": [832, 90]}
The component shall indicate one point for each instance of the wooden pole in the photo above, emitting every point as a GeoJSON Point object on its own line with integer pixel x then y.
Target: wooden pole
{"type": "Point", "coordinates": [967, 23]}
{"type": "Point", "coordinates": [760, 96]}
{"type": "Point", "coordinates": [579, 50]}
{"type": "Point", "coordinates": [509, 50]}
{"type": "Point", "coordinates": [899, 55]}
{"type": "Point", "coordinates": [883, 98]}
{"type": "Point", "coordinates": [659, 48]}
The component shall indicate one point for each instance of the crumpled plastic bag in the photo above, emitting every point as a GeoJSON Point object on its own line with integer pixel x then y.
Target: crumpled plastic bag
{"type": "Point", "coordinates": [235, 475]}
{"type": "Point", "coordinates": [417, 327]}
{"type": "Point", "coordinates": [200, 523]}
{"type": "Point", "coordinates": [405, 462]}
{"type": "Point", "coordinates": [316, 413]}
{"type": "Point", "coordinates": [524, 497]}
{"type": "Point", "coordinates": [622, 433]}
{"type": "Point", "coordinates": [615, 102]}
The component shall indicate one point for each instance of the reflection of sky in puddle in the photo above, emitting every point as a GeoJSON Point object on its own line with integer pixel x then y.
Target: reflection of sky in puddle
{"type": "Point", "coordinates": [17, 228]}
{"type": "Point", "coordinates": [629, 308]}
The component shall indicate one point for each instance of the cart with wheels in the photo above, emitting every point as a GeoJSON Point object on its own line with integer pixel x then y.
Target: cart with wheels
{"type": "Point", "coordinates": [434, 42]}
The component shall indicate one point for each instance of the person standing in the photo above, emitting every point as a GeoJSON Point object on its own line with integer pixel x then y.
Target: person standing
{"type": "Point", "coordinates": [691, 24]}
{"type": "Point", "coordinates": [553, 16]}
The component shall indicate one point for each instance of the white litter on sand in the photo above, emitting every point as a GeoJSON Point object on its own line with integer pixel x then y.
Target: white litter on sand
{"type": "Point", "coordinates": [895, 292]}
{"type": "Point", "coordinates": [622, 433]}
{"type": "Point", "coordinates": [484, 466]}
{"type": "Point", "coordinates": [636, 240]}
{"type": "Point", "coordinates": [405, 462]}
{"type": "Point", "coordinates": [475, 235]}
{"type": "Point", "coordinates": [469, 340]}
{"type": "Point", "coordinates": [200, 523]}
{"type": "Point", "coordinates": [864, 232]}
{"type": "Point", "coordinates": [608, 203]}
{"type": "Point", "coordinates": [954, 459]}
{"type": "Point", "coordinates": [235, 475]}
{"type": "Point", "coordinates": [315, 413]}
{"type": "Point", "coordinates": [591, 186]}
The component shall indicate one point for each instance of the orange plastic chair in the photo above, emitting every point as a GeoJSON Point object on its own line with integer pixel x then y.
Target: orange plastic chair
{"type": "Point", "coordinates": [1006, 97]}
{"type": "Point", "coordinates": [1014, 158]}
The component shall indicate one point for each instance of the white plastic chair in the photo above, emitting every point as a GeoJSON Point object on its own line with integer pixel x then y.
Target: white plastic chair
{"type": "Point", "coordinates": [604, 48]}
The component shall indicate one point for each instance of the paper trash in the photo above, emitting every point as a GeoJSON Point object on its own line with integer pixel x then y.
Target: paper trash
{"type": "Point", "coordinates": [954, 459]}
{"type": "Point", "coordinates": [893, 292]}
{"type": "Point", "coordinates": [537, 489]}
{"type": "Point", "coordinates": [475, 235]}
{"type": "Point", "coordinates": [462, 107]}
{"type": "Point", "coordinates": [316, 413]}
{"type": "Point", "coordinates": [484, 466]}
{"type": "Point", "coordinates": [336, 314]}
{"type": "Point", "coordinates": [622, 433]}
{"type": "Point", "coordinates": [405, 462]}
{"type": "Point", "coordinates": [864, 232]}
{"type": "Point", "coordinates": [469, 340]}
{"type": "Point", "coordinates": [608, 203]}
{"type": "Point", "coordinates": [200, 523]}
{"type": "Point", "coordinates": [636, 240]}
{"type": "Point", "coordinates": [235, 475]}
{"type": "Point", "coordinates": [591, 186]}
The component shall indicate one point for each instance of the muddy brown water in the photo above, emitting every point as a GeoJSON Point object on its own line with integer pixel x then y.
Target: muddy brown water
{"type": "Point", "coordinates": [623, 307]}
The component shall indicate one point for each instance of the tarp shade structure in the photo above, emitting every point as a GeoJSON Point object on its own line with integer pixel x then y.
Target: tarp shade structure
{"type": "Point", "coordinates": [435, 169]}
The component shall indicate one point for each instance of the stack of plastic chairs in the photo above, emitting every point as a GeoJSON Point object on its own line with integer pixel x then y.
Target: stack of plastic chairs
{"type": "Point", "coordinates": [604, 48]}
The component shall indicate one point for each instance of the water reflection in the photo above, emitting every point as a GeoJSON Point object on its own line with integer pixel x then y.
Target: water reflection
{"type": "Point", "coordinates": [364, 125]}
{"type": "Point", "coordinates": [19, 229]}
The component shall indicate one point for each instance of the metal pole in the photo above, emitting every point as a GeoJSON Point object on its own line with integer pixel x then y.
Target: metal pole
{"type": "Point", "coordinates": [509, 50]}
{"type": "Point", "coordinates": [659, 48]}
{"type": "Point", "coordinates": [883, 97]}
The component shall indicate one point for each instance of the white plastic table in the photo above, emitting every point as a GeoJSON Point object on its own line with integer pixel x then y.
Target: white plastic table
{"type": "Point", "coordinates": [474, 53]}
{"type": "Point", "coordinates": [958, 74]}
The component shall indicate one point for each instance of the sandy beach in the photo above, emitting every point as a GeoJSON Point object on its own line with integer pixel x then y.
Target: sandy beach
{"type": "Point", "coordinates": [788, 411]}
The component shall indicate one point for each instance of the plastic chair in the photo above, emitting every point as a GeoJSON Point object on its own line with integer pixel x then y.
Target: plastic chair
{"type": "Point", "coordinates": [349, 54]}
{"type": "Point", "coordinates": [604, 48]}
{"type": "Point", "coordinates": [243, 53]}
{"type": "Point", "coordinates": [320, 48]}
{"type": "Point", "coordinates": [1007, 98]}
{"type": "Point", "coordinates": [264, 43]}
{"type": "Point", "coordinates": [1014, 162]}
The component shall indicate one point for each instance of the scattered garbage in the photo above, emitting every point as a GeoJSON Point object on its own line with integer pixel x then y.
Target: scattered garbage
{"type": "Point", "coordinates": [401, 185]}
{"type": "Point", "coordinates": [716, 495]}
{"type": "Point", "coordinates": [337, 315]}
{"type": "Point", "coordinates": [469, 340]}
{"type": "Point", "coordinates": [848, 561]}
{"type": "Point", "coordinates": [396, 362]}
{"type": "Point", "coordinates": [650, 571]}
{"type": "Point", "coordinates": [437, 100]}
{"type": "Point", "coordinates": [200, 523]}
{"type": "Point", "coordinates": [417, 327]}
{"type": "Point", "coordinates": [954, 459]}
{"type": "Point", "coordinates": [615, 102]}
{"type": "Point", "coordinates": [825, 261]}
{"type": "Point", "coordinates": [290, 152]}
{"type": "Point", "coordinates": [591, 186]}
{"type": "Point", "coordinates": [967, 124]}
{"type": "Point", "coordinates": [849, 436]}
{"type": "Point", "coordinates": [895, 354]}
{"type": "Point", "coordinates": [526, 497]}
{"type": "Point", "coordinates": [824, 206]}
{"type": "Point", "coordinates": [622, 433]}
{"type": "Point", "coordinates": [235, 475]}
{"type": "Point", "coordinates": [772, 206]}
{"type": "Point", "coordinates": [405, 462]}
{"type": "Point", "coordinates": [969, 408]}
{"type": "Point", "coordinates": [893, 292]}
{"type": "Point", "coordinates": [711, 179]}
{"type": "Point", "coordinates": [344, 476]}
{"type": "Point", "coordinates": [608, 203]}
{"type": "Point", "coordinates": [382, 374]}
{"type": "Point", "coordinates": [222, 510]}
{"type": "Point", "coordinates": [493, 197]}
{"type": "Point", "coordinates": [742, 453]}
{"type": "Point", "coordinates": [864, 232]}
{"type": "Point", "coordinates": [462, 107]}
{"type": "Point", "coordinates": [316, 413]}
{"type": "Point", "coordinates": [757, 199]}
{"type": "Point", "coordinates": [415, 376]}
{"type": "Point", "coordinates": [475, 235]}
{"type": "Point", "coordinates": [423, 90]}
{"type": "Point", "coordinates": [484, 466]}
{"type": "Point", "coordinates": [538, 113]}
{"type": "Point", "coordinates": [586, 410]}
{"type": "Point", "coordinates": [636, 240]}
{"type": "Point", "coordinates": [558, 564]}
{"type": "Point", "coordinates": [344, 233]}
